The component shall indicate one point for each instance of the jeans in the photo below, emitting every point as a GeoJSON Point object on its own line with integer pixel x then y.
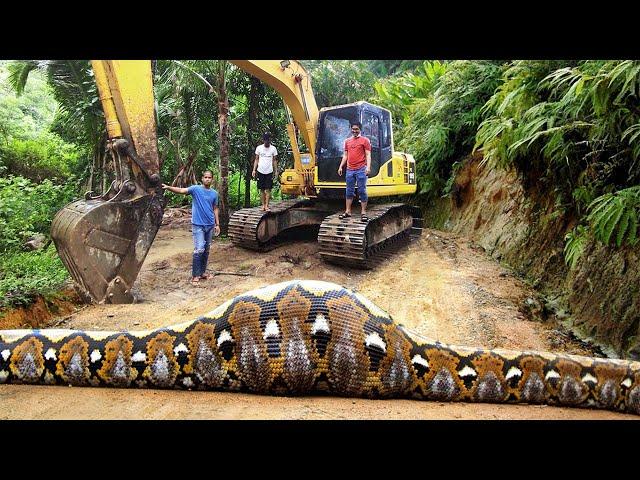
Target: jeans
{"type": "Point", "coordinates": [201, 243]}
{"type": "Point", "coordinates": [358, 176]}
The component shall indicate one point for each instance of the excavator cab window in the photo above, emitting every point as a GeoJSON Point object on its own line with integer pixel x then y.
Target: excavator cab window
{"type": "Point", "coordinates": [386, 146]}
{"type": "Point", "coordinates": [334, 129]}
{"type": "Point", "coordinates": [371, 130]}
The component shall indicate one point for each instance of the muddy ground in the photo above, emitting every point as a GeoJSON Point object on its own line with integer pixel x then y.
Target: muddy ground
{"type": "Point", "coordinates": [441, 285]}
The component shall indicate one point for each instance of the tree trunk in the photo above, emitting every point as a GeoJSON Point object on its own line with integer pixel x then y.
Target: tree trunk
{"type": "Point", "coordinates": [257, 89]}
{"type": "Point", "coordinates": [96, 169]}
{"type": "Point", "coordinates": [223, 117]}
{"type": "Point", "coordinates": [186, 176]}
{"type": "Point", "coordinates": [238, 190]}
{"type": "Point", "coordinates": [94, 162]}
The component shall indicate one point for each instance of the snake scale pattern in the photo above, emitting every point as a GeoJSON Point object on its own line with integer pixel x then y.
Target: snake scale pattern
{"type": "Point", "coordinates": [305, 337]}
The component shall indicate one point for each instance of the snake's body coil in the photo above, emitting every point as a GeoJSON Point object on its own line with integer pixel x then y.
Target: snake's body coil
{"type": "Point", "coordinates": [305, 337]}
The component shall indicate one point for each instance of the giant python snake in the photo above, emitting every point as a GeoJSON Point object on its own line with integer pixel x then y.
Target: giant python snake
{"type": "Point", "coordinates": [304, 337]}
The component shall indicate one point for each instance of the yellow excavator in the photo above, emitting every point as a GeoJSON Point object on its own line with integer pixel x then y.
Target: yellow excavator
{"type": "Point", "coordinates": [104, 239]}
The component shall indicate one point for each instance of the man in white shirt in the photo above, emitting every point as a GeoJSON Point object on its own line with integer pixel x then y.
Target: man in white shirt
{"type": "Point", "coordinates": [266, 166]}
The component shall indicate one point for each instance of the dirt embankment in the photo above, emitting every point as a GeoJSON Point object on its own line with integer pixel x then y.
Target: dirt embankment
{"type": "Point", "coordinates": [599, 298]}
{"type": "Point", "coordinates": [40, 312]}
{"type": "Point", "coordinates": [442, 286]}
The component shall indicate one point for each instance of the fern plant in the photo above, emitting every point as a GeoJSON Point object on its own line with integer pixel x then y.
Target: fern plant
{"type": "Point", "coordinates": [575, 240]}
{"type": "Point", "coordinates": [441, 127]}
{"type": "Point", "coordinates": [400, 92]}
{"type": "Point", "coordinates": [614, 216]}
{"type": "Point", "coordinates": [583, 195]}
{"type": "Point", "coordinates": [632, 136]}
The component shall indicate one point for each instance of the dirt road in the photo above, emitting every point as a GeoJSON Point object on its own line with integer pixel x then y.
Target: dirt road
{"type": "Point", "coordinates": [440, 285]}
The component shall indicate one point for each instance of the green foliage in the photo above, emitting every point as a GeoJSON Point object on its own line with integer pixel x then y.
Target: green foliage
{"type": "Point", "coordinates": [236, 195]}
{"type": "Point", "coordinates": [27, 208]}
{"type": "Point", "coordinates": [24, 275]}
{"type": "Point", "coordinates": [29, 114]}
{"type": "Point", "coordinates": [27, 147]}
{"type": "Point", "coordinates": [39, 158]}
{"type": "Point", "coordinates": [564, 119]}
{"type": "Point", "coordinates": [613, 217]}
{"type": "Point", "coordinates": [33, 161]}
{"type": "Point", "coordinates": [79, 117]}
{"type": "Point", "coordinates": [398, 93]}
{"type": "Point", "coordinates": [632, 135]}
{"type": "Point", "coordinates": [583, 195]}
{"type": "Point", "coordinates": [517, 113]}
{"type": "Point", "coordinates": [337, 82]}
{"type": "Point", "coordinates": [441, 128]}
{"type": "Point", "coordinates": [386, 68]}
{"type": "Point", "coordinates": [187, 115]}
{"type": "Point", "coordinates": [576, 127]}
{"type": "Point", "coordinates": [575, 240]}
{"type": "Point", "coordinates": [176, 199]}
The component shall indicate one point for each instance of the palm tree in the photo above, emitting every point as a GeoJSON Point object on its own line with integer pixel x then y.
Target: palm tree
{"type": "Point", "coordinates": [257, 90]}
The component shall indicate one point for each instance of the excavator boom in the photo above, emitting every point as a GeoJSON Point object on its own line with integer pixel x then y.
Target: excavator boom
{"type": "Point", "coordinates": [104, 239]}
{"type": "Point", "coordinates": [293, 83]}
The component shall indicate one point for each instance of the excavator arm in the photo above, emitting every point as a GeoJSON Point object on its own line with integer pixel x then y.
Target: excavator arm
{"type": "Point", "coordinates": [104, 239]}
{"type": "Point", "coordinates": [126, 94]}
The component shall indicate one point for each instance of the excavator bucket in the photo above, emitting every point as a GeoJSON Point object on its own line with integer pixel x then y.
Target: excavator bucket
{"type": "Point", "coordinates": [103, 240]}
{"type": "Point", "coordinates": [103, 244]}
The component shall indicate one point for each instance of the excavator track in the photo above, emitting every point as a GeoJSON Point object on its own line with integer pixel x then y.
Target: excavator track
{"type": "Point", "coordinates": [258, 230]}
{"type": "Point", "coordinates": [351, 242]}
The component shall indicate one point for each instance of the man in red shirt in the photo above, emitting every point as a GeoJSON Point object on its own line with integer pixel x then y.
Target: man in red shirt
{"type": "Point", "coordinates": [357, 156]}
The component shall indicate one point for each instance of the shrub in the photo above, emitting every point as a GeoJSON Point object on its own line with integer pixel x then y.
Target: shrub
{"type": "Point", "coordinates": [575, 243]}
{"type": "Point", "coordinates": [24, 275]}
{"type": "Point", "coordinates": [574, 126]}
{"type": "Point", "coordinates": [27, 208]}
{"type": "Point", "coordinates": [44, 157]}
{"type": "Point", "coordinates": [616, 213]}
{"type": "Point", "coordinates": [442, 127]}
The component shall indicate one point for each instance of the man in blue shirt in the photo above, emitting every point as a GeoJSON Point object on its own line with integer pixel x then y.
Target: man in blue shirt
{"type": "Point", "coordinates": [204, 220]}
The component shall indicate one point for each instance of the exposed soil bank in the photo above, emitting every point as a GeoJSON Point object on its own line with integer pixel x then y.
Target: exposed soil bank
{"type": "Point", "coordinates": [599, 298]}
{"type": "Point", "coordinates": [41, 312]}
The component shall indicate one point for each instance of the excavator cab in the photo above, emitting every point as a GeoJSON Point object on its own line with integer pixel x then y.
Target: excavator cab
{"type": "Point", "coordinates": [104, 239]}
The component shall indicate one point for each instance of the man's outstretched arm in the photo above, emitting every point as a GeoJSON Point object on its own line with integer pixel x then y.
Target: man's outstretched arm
{"type": "Point", "coordinates": [183, 191]}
